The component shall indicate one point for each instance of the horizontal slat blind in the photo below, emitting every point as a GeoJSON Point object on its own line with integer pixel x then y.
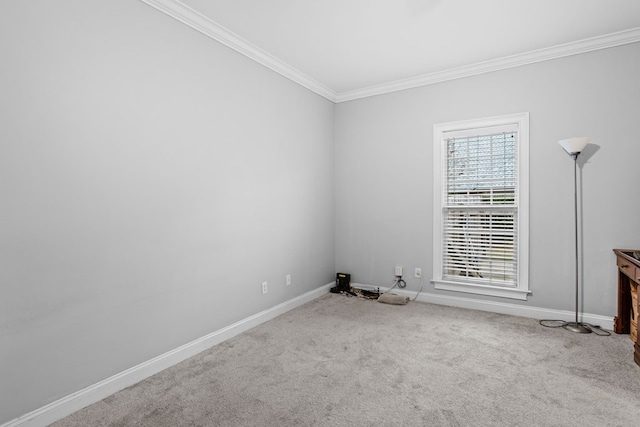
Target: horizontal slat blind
{"type": "Point", "coordinates": [480, 209]}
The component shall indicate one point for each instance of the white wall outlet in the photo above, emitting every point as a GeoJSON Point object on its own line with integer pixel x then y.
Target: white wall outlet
{"type": "Point", "coordinates": [398, 271]}
{"type": "Point", "coordinates": [264, 288]}
{"type": "Point", "coordinates": [418, 273]}
{"type": "Point", "coordinates": [288, 280]}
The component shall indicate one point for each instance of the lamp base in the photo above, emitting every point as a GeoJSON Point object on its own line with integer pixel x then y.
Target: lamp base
{"type": "Point", "coordinates": [576, 327]}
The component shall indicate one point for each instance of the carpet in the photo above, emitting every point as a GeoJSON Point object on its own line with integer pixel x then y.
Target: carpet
{"type": "Point", "coordinates": [346, 361]}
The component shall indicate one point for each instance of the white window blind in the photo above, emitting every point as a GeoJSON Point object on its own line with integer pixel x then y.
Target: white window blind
{"type": "Point", "coordinates": [480, 206]}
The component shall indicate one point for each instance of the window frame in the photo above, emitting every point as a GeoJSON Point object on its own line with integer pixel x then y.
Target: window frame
{"type": "Point", "coordinates": [521, 291]}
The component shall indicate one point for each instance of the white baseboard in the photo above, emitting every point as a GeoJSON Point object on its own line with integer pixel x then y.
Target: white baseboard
{"type": "Point", "coordinates": [74, 402]}
{"type": "Point", "coordinates": [500, 307]}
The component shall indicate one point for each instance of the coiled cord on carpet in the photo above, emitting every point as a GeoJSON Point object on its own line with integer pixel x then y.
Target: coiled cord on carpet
{"type": "Point", "coordinates": [561, 323]}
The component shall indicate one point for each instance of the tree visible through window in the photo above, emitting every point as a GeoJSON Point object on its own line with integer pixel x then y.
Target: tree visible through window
{"type": "Point", "coordinates": [480, 212]}
{"type": "Point", "coordinates": [481, 206]}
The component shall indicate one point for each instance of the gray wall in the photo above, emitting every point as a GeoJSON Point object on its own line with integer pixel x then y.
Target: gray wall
{"type": "Point", "coordinates": [384, 172]}
{"type": "Point", "coordinates": [150, 180]}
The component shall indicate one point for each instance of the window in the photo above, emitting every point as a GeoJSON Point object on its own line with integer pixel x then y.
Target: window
{"type": "Point", "coordinates": [481, 200]}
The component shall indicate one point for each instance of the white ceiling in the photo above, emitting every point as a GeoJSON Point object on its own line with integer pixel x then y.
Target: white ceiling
{"type": "Point", "coordinates": [347, 45]}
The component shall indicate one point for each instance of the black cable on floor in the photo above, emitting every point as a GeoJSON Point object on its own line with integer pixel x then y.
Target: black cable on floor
{"type": "Point", "coordinates": [560, 323]}
{"type": "Point", "coordinates": [420, 290]}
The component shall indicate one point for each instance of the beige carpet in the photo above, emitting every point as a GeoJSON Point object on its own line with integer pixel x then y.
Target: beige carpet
{"type": "Point", "coordinates": [344, 361]}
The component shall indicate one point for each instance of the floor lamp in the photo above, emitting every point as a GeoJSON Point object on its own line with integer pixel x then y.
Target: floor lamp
{"type": "Point", "coordinates": [573, 147]}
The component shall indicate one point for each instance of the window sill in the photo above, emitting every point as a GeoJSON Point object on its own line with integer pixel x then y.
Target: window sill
{"type": "Point", "coordinates": [494, 291]}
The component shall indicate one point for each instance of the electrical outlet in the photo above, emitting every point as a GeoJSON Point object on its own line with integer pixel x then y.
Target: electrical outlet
{"type": "Point", "coordinates": [264, 288]}
{"type": "Point", "coordinates": [418, 273]}
{"type": "Point", "coordinates": [399, 271]}
{"type": "Point", "coordinates": [288, 280]}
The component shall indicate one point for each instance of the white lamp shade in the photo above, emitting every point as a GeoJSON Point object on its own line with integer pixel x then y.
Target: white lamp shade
{"type": "Point", "coordinates": [574, 145]}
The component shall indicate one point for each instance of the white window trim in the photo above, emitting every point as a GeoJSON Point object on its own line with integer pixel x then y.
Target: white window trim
{"type": "Point", "coordinates": [522, 290]}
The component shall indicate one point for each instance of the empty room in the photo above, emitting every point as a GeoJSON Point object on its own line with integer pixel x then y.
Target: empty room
{"type": "Point", "coordinates": [319, 213]}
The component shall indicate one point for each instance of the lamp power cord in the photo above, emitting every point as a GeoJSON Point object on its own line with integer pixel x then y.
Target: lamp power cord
{"type": "Point", "coordinates": [548, 323]}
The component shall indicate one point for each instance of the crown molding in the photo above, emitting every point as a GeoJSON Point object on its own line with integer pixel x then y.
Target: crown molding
{"type": "Point", "coordinates": [194, 19]}
{"type": "Point", "coordinates": [206, 26]}
{"type": "Point", "coordinates": [540, 55]}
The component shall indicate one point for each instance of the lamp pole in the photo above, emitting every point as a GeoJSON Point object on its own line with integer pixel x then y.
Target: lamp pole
{"type": "Point", "coordinates": [576, 326]}
{"type": "Point", "coordinates": [573, 147]}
